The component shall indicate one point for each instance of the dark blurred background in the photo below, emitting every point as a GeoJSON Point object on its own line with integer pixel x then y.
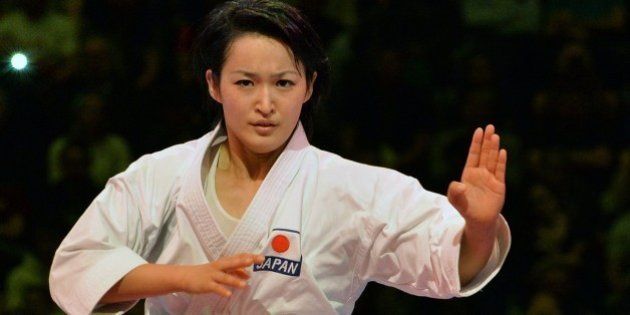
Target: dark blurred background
{"type": "Point", "coordinates": [110, 80]}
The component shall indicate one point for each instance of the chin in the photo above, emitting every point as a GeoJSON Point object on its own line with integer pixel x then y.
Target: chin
{"type": "Point", "coordinates": [264, 147]}
{"type": "Point", "coordinates": [265, 144]}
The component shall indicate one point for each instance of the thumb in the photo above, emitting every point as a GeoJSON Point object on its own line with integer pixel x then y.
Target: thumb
{"type": "Point", "coordinates": [456, 196]}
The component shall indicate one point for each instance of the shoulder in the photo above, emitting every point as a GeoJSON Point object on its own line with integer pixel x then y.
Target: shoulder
{"type": "Point", "coordinates": [165, 164]}
{"type": "Point", "coordinates": [355, 176]}
{"type": "Point", "coordinates": [332, 162]}
{"type": "Point", "coordinates": [370, 195]}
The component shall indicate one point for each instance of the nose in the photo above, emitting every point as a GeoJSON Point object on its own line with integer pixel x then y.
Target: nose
{"type": "Point", "coordinates": [265, 104]}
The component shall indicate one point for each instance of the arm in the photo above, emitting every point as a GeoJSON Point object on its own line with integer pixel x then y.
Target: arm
{"type": "Point", "coordinates": [419, 242]}
{"type": "Point", "coordinates": [152, 279]}
{"type": "Point", "coordinates": [112, 237]}
{"type": "Point", "coordinates": [101, 261]}
{"type": "Point", "coordinates": [475, 250]}
{"type": "Point", "coordinates": [479, 198]}
{"type": "Point", "coordinates": [416, 246]}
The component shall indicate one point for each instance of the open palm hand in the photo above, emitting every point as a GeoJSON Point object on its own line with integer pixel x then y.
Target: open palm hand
{"type": "Point", "coordinates": [480, 194]}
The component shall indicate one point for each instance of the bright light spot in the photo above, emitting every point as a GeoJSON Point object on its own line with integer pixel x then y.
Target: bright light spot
{"type": "Point", "coordinates": [19, 61]}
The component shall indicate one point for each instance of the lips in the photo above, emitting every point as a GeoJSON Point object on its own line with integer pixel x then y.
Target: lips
{"type": "Point", "coordinates": [264, 127]}
{"type": "Point", "coordinates": [264, 123]}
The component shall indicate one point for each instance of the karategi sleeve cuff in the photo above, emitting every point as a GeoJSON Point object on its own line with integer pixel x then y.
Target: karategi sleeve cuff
{"type": "Point", "coordinates": [494, 264]}
{"type": "Point", "coordinates": [105, 273]}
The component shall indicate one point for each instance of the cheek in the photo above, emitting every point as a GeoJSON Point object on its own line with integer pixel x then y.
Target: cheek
{"type": "Point", "coordinates": [234, 103]}
{"type": "Point", "coordinates": [296, 111]}
{"type": "Point", "coordinates": [296, 102]}
{"type": "Point", "coordinates": [292, 109]}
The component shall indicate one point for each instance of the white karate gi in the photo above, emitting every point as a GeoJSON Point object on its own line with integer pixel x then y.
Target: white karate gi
{"type": "Point", "coordinates": [327, 226]}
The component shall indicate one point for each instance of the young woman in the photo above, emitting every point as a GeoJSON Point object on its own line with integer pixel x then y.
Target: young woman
{"type": "Point", "coordinates": [251, 219]}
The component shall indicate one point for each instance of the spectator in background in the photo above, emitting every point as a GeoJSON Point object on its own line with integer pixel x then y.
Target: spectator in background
{"type": "Point", "coordinates": [575, 130]}
{"type": "Point", "coordinates": [108, 154]}
{"type": "Point", "coordinates": [26, 287]}
{"type": "Point", "coordinates": [141, 31]}
{"type": "Point", "coordinates": [100, 68]}
{"type": "Point", "coordinates": [121, 41]}
{"type": "Point", "coordinates": [556, 256]}
{"type": "Point", "coordinates": [72, 193]}
{"type": "Point", "coordinates": [14, 210]}
{"type": "Point", "coordinates": [50, 40]}
{"type": "Point", "coordinates": [576, 104]}
{"type": "Point", "coordinates": [17, 154]}
{"type": "Point", "coordinates": [44, 227]}
{"type": "Point", "coordinates": [477, 98]}
{"type": "Point", "coordinates": [174, 126]}
{"type": "Point", "coordinates": [507, 30]}
{"type": "Point", "coordinates": [386, 72]}
{"type": "Point", "coordinates": [15, 244]}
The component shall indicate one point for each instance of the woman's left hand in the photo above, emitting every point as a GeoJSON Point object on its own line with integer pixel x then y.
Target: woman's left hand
{"type": "Point", "coordinates": [480, 194]}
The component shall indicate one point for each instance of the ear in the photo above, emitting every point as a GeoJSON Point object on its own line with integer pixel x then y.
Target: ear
{"type": "Point", "coordinates": [309, 92]}
{"type": "Point", "coordinates": [213, 86]}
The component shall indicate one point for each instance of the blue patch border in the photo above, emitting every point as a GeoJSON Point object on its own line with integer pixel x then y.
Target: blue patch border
{"type": "Point", "coordinates": [286, 230]}
{"type": "Point", "coordinates": [297, 273]}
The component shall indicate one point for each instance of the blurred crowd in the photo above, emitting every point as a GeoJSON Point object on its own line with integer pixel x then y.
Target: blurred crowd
{"type": "Point", "coordinates": [110, 80]}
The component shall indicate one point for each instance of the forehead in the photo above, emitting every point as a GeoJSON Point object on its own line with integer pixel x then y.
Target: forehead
{"type": "Point", "coordinates": [259, 53]}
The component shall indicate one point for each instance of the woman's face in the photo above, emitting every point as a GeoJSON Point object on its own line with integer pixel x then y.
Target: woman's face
{"type": "Point", "coordinates": [261, 92]}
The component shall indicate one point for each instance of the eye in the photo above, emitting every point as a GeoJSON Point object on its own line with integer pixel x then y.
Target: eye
{"type": "Point", "coordinates": [285, 83]}
{"type": "Point", "coordinates": [244, 83]}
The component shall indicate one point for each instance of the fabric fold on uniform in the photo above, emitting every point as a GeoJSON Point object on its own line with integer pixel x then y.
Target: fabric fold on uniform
{"type": "Point", "coordinates": [355, 223]}
{"type": "Point", "coordinates": [496, 260]}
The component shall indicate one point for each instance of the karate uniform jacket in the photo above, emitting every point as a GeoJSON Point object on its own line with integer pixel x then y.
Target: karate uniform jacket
{"type": "Point", "coordinates": [326, 226]}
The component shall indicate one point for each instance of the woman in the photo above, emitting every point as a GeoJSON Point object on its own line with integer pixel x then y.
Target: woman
{"type": "Point", "coordinates": [182, 227]}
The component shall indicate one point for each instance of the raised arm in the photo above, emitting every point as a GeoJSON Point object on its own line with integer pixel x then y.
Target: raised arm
{"type": "Point", "coordinates": [479, 198]}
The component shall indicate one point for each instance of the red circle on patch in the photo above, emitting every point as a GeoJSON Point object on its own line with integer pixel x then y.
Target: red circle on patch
{"type": "Point", "coordinates": [280, 243]}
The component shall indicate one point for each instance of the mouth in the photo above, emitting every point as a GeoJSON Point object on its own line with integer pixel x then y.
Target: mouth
{"type": "Point", "coordinates": [263, 123]}
{"type": "Point", "coordinates": [263, 127]}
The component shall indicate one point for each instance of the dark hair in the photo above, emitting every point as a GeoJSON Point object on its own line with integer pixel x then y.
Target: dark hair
{"type": "Point", "coordinates": [274, 19]}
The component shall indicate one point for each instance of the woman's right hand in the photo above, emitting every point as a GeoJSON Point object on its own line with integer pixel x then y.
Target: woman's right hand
{"type": "Point", "coordinates": [216, 276]}
{"type": "Point", "coordinates": [152, 280]}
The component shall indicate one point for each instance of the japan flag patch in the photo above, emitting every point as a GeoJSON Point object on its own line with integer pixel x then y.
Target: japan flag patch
{"type": "Point", "coordinates": [282, 253]}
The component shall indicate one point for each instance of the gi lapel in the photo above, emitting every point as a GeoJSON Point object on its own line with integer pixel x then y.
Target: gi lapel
{"type": "Point", "coordinates": [254, 225]}
{"type": "Point", "coordinates": [193, 203]}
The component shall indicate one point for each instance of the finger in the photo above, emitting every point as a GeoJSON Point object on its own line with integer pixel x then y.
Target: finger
{"type": "Point", "coordinates": [240, 272]}
{"type": "Point", "coordinates": [218, 289]}
{"type": "Point", "coordinates": [457, 197]}
{"type": "Point", "coordinates": [486, 146]}
{"type": "Point", "coordinates": [475, 148]}
{"type": "Point", "coordinates": [494, 153]}
{"type": "Point", "coordinates": [259, 259]}
{"type": "Point", "coordinates": [501, 166]}
{"type": "Point", "coordinates": [227, 279]}
{"type": "Point", "coordinates": [232, 262]}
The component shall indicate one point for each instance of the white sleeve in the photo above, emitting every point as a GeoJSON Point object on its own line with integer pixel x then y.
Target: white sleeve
{"type": "Point", "coordinates": [411, 241]}
{"type": "Point", "coordinates": [110, 239]}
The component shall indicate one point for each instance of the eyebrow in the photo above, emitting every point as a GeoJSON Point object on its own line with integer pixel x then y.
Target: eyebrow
{"type": "Point", "coordinates": [279, 74]}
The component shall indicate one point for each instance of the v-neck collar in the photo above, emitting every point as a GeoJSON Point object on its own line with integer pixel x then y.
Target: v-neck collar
{"type": "Point", "coordinates": [254, 224]}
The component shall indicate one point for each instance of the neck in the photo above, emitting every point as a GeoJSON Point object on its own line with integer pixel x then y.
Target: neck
{"type": "Point", "coordinates": [244, 164]}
